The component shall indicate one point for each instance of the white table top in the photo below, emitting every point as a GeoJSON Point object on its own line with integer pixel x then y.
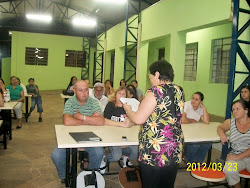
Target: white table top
{"type": "Point", "coordinates": [200, 132]}
{"type": "Point", "coordinates": [111, 136]}
{"type": "Point", "coordinates": [65, 96]}
{"type": "Point", "coordinates": [27, 95]}
{"type": "Point", "coordinates": [8, 106]}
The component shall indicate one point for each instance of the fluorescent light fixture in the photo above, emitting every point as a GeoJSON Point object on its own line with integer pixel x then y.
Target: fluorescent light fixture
{"type": "Point", "coordinates": [85, 22]}
{"type": "Point", "coordinates": [39, 17]}
{"type": "Point", "coordinates": [113, 1]}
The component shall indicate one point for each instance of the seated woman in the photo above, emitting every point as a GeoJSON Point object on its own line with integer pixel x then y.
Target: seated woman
{"type": "Point", "coordinates": [123, 82]}
{"type": "Point", "coordinates": [16, 94]}
{"type": "Point", "coordinates": [108, 88]}
{"type": "Point", "coordinates": [195, 110]}
{"type": "Point", "coordinates": [115, 115]}
{"type": "Point", "coordinates": [133, 88]}
{"type": "Point", "coordinates": [238, 158]}
{"type": "Point", "coordinates": [245, 93]}
{"type": "Point", "coordinates": [73, 80]}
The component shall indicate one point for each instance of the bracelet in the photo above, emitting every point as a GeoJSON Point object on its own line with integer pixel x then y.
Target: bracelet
{"type": "Point", "coordinates": [84, 118]}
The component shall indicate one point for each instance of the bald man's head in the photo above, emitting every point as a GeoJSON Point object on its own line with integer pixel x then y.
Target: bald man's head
{"type": "Point", "coordinates": [81, 90]}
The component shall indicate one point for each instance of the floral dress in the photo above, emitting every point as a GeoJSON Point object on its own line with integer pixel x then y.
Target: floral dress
{"type": "Point", "coordinates": [161, 137]}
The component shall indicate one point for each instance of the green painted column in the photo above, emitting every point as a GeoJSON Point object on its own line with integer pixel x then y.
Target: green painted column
{"type": "Point", "coordinates": [119, 65]}
{"type": "Point", "coordinates": [142, 74]}
{"type": "Point", "coordinates": [107, 66]}
{"type": "Point", "coordinates": [6, 70]}
{"type": "Point", "coordinates": [177, 55]}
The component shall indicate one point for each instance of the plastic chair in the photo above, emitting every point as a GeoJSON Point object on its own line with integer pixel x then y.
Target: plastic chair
{"type": "Point", "coordinates": [208, 175]}
{"type": "Point", "coordinates": [245, 174]}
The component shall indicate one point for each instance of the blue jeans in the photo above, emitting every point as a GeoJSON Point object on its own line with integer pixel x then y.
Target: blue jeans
{"type": "Point", "coordinates": [225, 151]}
{"type": "Point", "coordinates": [36, 101]}
{"type": "Point", "coordinates": [197, 152]}
{"type": "Point", "coordinates": [59, 159]}
{"type": "Point", "coordinates": [116, 153]}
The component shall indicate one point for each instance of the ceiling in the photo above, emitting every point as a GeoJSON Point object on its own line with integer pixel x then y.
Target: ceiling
{"type": "Point", "coordinates": [12, 16]}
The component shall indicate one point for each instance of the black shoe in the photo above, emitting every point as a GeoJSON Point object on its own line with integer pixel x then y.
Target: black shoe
{"type": "Point", "coordinates": [18, 127]}
{"type": "Point", "coordinates": [63, 181]}
{"type": "Point", "coordinates": [40, 119]}
{"type": "Point", "coordinates": [27, 115]}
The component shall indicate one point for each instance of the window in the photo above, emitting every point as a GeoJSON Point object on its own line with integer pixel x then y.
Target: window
{"type": "Point", "coordinates": [161, 54]}
{"type": "Point", "coordinates": [191, 62]}
{"type": "Point", "coordinates": [36, 56]}
{"type": "Point", "coordinates": [75, 58]}
{"type": "Point", "coordinates": [221, 60]}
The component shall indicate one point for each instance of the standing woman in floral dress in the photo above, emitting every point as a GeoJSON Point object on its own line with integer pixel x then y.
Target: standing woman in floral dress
{"type": "Point", "coordinates": [160, 137]}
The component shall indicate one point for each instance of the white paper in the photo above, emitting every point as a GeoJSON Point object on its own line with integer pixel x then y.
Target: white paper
{"type": "Point", "coordinates": [132, 102]}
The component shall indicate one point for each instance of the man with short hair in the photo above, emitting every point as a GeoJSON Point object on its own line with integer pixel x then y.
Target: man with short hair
{"type": "Point", "coordinates": [80, 109]}
{"type": "Point", "coordinates": [98, 95]}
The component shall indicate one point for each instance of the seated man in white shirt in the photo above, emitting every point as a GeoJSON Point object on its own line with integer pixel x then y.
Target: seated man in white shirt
{"type": "Point", "coordinates": [98, 95]}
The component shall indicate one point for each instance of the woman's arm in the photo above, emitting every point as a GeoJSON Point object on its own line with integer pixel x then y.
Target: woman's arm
{"type": "Point", "coordinates": [146, 108]}
{"type": "Point", "coordinates": [22, 97]}
{"type": "Point", "coordinates": [205, 116]}
{"type": "Point", "coordinates": [222, 129]}
{"type": "Point", "coordinates": [1, 100]}
{"type": "Point", "coordinates": [186, 120]}
{"type": "Point", "coordinates": [126, 123]}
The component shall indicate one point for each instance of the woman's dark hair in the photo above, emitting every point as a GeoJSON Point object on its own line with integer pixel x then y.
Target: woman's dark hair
{"type": "Point", "coordinates": [3, 83]}
{"type": "Point", "coordinates": [164, 68]}
{"type": "Point", "coordinates": [124, 81]}
{"type": "Point", "coordinates": [131, 91]}
{"type": "Point", "coordinates": [134, 81]}
{"type": "Point", "coordinates": [244, 87]}
{"type": "Point", "coordinates": [131, 85]}
{"type": "Point", "coordinates": [200, 94]}
{"type": "Point", "coordinates": [71, 79]}
{"type": "Point", "coordinates": [111, 83]}
{"type": "Point", "coordinates": [244, 104]}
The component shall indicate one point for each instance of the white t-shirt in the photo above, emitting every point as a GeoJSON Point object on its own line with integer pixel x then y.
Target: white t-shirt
{"type": "Point", "coordinates": [102, 102]}
{"type": "Point", "coordinates": [191, 113]}
{"type": "Point", "coordinates": [24, 89]}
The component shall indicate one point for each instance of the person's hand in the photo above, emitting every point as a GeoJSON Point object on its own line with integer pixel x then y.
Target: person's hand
{"type": "Point", "coordinates": [127, 123]}
{"type": "Point", "coordinates": [33, 95]}
{"type": "Point", "coordinates": [127, 107]}
{"type": "Point", "coordinates": [232, 157]}
{"type": "Point", "coordinates": [96, 114]}
{"type": "Point", "coordinates": [78, 115]}
{"type": "Point", "coordinates": [223, 139]}
{"type": "Point", "coordinates": [202, 105]}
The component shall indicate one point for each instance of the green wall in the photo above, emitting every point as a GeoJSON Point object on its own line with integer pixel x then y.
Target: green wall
{"type": "Point", "coordinates": [6, 70]}
{"type": "Point", "coordinates": [53, 76]}
{"type": "Point", "coordinates": [215, 94]}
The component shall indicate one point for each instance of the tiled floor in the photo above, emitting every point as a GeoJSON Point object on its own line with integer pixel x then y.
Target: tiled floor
{"type": "Point", "coordinates": [27, 163]}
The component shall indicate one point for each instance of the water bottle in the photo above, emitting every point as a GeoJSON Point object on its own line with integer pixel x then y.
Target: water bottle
{"type": "Point", "coordinates": [6, 96]}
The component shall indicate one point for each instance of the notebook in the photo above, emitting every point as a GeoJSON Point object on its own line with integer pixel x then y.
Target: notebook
{"type": "Point", "coordinates": [85, 137]}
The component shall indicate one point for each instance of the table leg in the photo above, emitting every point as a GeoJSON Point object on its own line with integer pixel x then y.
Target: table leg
{"type": "Point", "coordinates": [74, 168]}
{"type": "Point", "coordinates": [26, 108]}
{"type": "Point", "coordinates": [67, 180]}
{"type": "Point", "coordinates": [209, 154]}
{"type": "Point", "coordinates": [10, 122]}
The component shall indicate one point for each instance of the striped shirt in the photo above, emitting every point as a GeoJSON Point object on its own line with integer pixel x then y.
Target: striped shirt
{"type": "Point", "coordinates": [240, 142]}
{"type": "Point", "coordinates": [87, 109]}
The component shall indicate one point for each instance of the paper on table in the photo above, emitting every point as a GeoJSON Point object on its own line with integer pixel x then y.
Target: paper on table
{"type": "Point", "coordinates": [132, 102]}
